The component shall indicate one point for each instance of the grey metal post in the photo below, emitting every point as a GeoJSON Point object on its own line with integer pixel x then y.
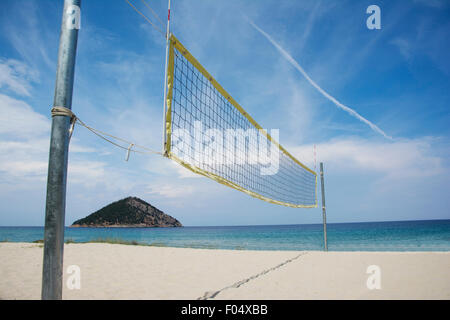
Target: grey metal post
{"type": "Point", "coordinates": [324, 210]}
{"type": "Point", "coordinates": [165, 79]}
{"type": "Point", "coordinates": [58, 155]}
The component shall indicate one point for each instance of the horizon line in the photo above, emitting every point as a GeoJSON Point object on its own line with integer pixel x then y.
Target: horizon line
{"type": "Point", "coordinates": [242, 225]}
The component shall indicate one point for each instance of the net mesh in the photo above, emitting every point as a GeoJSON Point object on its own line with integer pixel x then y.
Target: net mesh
{"type": "Point", "coordinates": [210, 134]}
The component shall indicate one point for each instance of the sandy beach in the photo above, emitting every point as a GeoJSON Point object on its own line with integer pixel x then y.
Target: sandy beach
{"type": "Point", "coordinates": [113, 271]}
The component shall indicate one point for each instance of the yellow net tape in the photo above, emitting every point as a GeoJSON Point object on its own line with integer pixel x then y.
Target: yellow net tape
{"type": "Point", "coordinates": [209, 133]}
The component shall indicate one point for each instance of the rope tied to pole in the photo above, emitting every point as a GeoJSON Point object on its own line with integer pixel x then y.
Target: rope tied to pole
{"type": "Point", "coordinates": [66, 112]}
{"type": "Point", "coordinates": [63, 111]}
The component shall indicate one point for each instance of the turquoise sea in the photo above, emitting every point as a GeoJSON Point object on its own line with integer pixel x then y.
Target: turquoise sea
{"type": "Point", "coordinates": [431, 235]}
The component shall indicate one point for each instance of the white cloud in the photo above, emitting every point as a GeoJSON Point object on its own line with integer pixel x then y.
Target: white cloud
{"type": "Point", "coordinates": [87, 173]}
{"type": "Point", "coordinates": [24, 146]}
{"type": "Point", "coordinates": [15, 75]}
{"type": "Point", "coordinates": [77, 147]}
{"type": "Point", "coordinates": [24, 168]}
{"type": "Point", "coordinates": [18, 119]}
{"type": "Point", "coordinates": [183, 172]}
{"type": "Point", "coordinates": [407, 158]}
{"type": "Point", "coordinates": [171, 190]}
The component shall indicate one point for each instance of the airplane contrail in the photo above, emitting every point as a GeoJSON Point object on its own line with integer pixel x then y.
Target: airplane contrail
{"type": "Point", "coordinates": [291, 60]}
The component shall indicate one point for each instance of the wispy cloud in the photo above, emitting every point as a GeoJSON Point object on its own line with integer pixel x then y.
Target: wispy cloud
{"type": "Point", "coordinates": [291, 60]}
{"type": "Point", "coordinates": [15, 75]}
{"type": "Point", "coordinates": [401, 159]}
{"type": "Point", "coordinates": [404, 46]}
{"type": "Point", "coordinates": [24, 144]}
{"type": "Point", "coordinates": [29, 34]}
{"type": "Point", "coordinates": [18, 119]}
{"type": "Point", "coordinates": [171, 191]}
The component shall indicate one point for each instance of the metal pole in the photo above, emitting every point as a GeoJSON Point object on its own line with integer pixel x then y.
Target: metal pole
{"type": "Point", "coordinates": [59, 149]}
{"type": "Point", "coordinates": [165, 78]}
{"type": "Point", "coordinates": [324, 210]}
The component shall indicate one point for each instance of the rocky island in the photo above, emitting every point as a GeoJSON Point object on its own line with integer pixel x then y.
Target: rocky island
{"type": "Point", "coordinates": [130, 212]}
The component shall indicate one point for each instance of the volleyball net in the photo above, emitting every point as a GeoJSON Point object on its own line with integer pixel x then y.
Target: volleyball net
{"type": "Point", "coordinates": [209, 133]}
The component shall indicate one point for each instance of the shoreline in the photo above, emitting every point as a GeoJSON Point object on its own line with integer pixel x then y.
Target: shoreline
{"type": "Point", "coordinates": [148, 272]}
{"type": "Point", "coordinates": [120, 241]}
{"type": "Point", "coordinates": [137, 226]}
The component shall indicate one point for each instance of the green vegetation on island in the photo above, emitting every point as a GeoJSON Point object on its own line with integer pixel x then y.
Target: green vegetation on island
{"type": "Point", "coordinates": [128, 212]}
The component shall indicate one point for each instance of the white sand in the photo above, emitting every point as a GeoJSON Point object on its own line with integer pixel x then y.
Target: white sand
{"type": "Point", "coordinates": [111, 271]}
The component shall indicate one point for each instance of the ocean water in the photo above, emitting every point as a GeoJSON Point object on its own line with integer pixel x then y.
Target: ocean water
{"type": "Point", "coordinates": [432, 235]}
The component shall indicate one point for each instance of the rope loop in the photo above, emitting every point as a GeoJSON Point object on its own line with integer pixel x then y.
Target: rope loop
{"type": "Point", "coordinates": [63, 111]}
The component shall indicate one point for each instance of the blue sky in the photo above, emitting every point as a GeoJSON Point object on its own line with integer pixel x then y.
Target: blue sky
{"type": "Point", "coordinates": [397, 77]}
